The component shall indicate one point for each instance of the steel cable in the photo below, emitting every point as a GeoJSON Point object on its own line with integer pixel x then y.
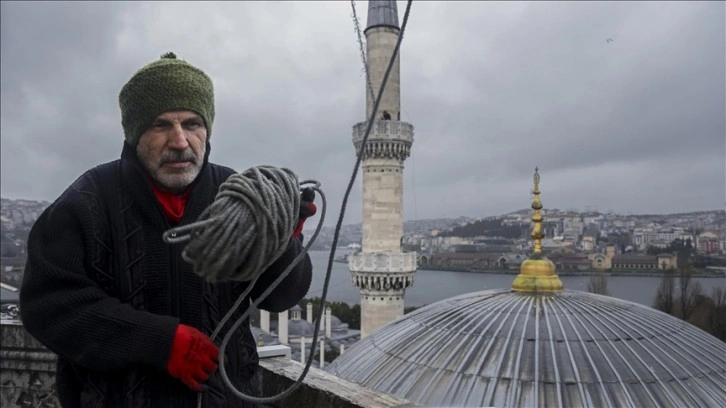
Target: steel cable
{"type": "Point", "coordinates": [240, 253]}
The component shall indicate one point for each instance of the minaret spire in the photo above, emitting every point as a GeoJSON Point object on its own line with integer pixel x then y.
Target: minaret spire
{"type": "Point", "coordinates": [382, 13]}
{"type": "Point", "coordinates": [537, 274]}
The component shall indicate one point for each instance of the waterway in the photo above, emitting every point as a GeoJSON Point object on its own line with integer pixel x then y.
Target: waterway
{"type": "Point", "coordinates": [431, 286]}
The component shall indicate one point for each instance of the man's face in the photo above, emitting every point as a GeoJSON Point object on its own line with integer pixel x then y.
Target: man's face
{"type": "Point", "coordinates": [173, 148]}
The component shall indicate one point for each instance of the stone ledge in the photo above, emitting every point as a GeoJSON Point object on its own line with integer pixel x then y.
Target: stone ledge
{"type": "Point", "coordinates": [277, 350]}
{"type": "Point", "coordinates": [320, 389]}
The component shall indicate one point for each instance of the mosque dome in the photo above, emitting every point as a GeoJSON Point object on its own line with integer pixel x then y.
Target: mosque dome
{"type": "Point", "coordinates": [299, 327]}
{"type": "Point", "coordinates": [337, 324]}
{"type": "Point", "coordinates": [506, 348]}
{"type": "Point", "coordinates": [538, 344]}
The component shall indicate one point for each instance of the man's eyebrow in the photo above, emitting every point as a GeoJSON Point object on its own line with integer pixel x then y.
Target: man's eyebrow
{"type": "Point", "coordinates": [163, 121]}
{"type": "Point", "coordinates": [160, 121]}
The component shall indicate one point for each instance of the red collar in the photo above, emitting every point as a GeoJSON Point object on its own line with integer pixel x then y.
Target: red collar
{"type": "Point", "coordinates": [172, 204]}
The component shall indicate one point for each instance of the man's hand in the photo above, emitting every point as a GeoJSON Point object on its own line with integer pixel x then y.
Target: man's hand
{"type": "Point", "coordinates": [307, 209]}
{"type": "Point", "coordinates": [193, 357]}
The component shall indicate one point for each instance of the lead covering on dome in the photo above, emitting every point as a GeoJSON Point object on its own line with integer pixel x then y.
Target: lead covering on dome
{"type": "Point", "coordinates": [569, 349]}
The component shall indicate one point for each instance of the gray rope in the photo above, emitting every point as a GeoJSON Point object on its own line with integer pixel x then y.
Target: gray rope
{"type": "Point", "coordinates": [245, 229]}
{"type": "Point", "coordinates": [262, 297]}
{"type": "Point", "coordinates": [336, 234]}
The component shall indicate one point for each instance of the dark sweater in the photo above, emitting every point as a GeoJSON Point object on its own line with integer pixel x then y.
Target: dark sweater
{"type": "Point", "coordinates": [103, 291]}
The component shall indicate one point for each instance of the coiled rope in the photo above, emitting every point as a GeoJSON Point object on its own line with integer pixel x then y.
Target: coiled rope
{"type": "Point", "coordinates": [246, 228]}
{"type": "Point", "coordinates": [170, 239]}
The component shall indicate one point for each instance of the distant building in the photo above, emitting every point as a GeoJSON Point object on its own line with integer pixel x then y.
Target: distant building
{"type": "Point", "coordinates": [292, 330]}
{"type": "Point", "coordinates": [603, 260]}
{"type": "Point", "coordinates": [641, 261]}
{"type": "Point", "coordinates": [708, 243]}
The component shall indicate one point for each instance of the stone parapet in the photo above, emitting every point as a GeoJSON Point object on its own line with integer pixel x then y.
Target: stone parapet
{"type": "Point", "coordinates": [27, 369]}
{"type": "Point", "coordinates": [320, 388]}
{"type": "Point", "coordinates": [27, 378]}
{"type": "Point", "coordinates": [389, 139]}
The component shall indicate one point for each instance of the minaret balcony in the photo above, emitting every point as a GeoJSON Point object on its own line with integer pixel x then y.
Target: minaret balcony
{"type": "Point", "coordinates": [388, 139]}
{"type": "Point", "coordinates": [382, 262]}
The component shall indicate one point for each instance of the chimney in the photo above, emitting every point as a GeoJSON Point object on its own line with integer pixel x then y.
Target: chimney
{"type": "Point", "coordinates": [328, 322]}
{"type": "Point", "coordinates": [309, 314]}
{"type": "Point", "coordinates": [265, 321]}
{"type": "Point", "coordinates": [302, 349]}
{"type": "Point", "coordinates": [322, 353]}
{"type": "Point", "coordinates": [342, 349]}
{"type": "Point", "coordinates": [282, 327]}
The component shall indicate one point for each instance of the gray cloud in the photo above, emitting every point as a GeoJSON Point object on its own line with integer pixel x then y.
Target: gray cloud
{"type": "Point", "coordinates": [493, 89]}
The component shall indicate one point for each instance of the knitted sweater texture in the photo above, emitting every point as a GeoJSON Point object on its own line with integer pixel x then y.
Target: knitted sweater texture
{"type": "Point", "coordinates": [103, 291]}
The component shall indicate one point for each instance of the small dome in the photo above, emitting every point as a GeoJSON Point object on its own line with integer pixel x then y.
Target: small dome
{"type": "Point", "coordinates": [573, 349]}
{"type": "Point", "coordinates": [299, 327]}
{"type": "Point", "coordinates": [337, 324]}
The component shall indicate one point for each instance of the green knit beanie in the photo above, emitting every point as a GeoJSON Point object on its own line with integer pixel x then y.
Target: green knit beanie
{"type": "Point", "coordinates": [165, 85]}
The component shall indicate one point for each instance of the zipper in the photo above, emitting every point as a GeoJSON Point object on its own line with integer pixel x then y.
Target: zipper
{"type": "Point", "coordinates": [173, 275]}
{"type": "Point", "coordinates": [174, 278]}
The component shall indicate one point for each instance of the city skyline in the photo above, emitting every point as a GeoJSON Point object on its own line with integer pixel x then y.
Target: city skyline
{"type": "Point", "coordinates": [621, 105]}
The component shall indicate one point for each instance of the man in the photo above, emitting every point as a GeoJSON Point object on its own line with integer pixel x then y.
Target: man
{"type": "Point", "coordinates": [125, 313]}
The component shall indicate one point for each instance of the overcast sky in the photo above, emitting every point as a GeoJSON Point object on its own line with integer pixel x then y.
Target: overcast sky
{"type": "Point", "coordinates": [634, 125]}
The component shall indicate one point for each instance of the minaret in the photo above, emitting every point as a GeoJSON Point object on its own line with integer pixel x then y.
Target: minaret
{"type": "Point", "coordinates": [381, 270]}
{"type": "Point", "coordinates": [537, 274]}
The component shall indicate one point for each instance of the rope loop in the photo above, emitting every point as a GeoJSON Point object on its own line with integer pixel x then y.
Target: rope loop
{"type": "Point", "coordinates": [247, 227]}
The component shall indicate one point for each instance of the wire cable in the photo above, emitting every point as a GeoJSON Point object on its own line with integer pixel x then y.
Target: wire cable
{"type": "Point", "coordinates": [168, 237]}
{"type": "Point", "coordinates": [363, 58]}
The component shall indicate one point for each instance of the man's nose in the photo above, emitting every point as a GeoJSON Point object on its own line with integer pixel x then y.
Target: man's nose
{"type": "Point", "coordinates": [177, 137]}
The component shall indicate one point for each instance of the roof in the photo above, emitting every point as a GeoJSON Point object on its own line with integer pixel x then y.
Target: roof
{"type": "Point", "coordinates": [299, 327]}
{"type": "Point", "coordinates": [465, 255]}
{"type": "Point", "coordinates": [382, 13]}
{"type": "Point", "coordinates": [572, 348]}
{"type": "Point", "coordinates": [634, 259]}
{"type": "Point", "coordinates": [9, 294]}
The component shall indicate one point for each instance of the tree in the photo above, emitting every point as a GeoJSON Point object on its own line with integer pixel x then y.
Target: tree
{"type": "Point", "coordinates": [717, 315]}
{"type": "Point", "coordinates": [665, 296]}
{"type": "Point", "coordinates": [690, 291]}
{"type": "Point", "coordinates": [409, 309]}
{"type": "Point", "coordinates": [343, 311]}
{"type": "Point", "coordinates": [598, 284]}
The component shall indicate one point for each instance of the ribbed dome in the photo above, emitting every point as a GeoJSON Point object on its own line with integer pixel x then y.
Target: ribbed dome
{"type": "Point", "coordinates": [299, 327]}
{"type": "Point", "coordinates": [572, 349]}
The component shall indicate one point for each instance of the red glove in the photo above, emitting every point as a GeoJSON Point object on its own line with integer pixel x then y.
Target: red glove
{"type": "Point", "coordinates": [193, 357]}
{"type": "Point", "coordinates": [307, 209]}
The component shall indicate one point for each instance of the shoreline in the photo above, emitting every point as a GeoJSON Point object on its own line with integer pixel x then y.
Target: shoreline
{"type": "Point", "coordinates": [514, 272]}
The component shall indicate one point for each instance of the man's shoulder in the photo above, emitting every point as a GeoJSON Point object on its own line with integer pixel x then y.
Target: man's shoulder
{"type": "Point", "coordinates": [85, 191]}
{"type": "Point", "coordinates": [94, 177]}
{"type": "Point", "coordinates": [221, 172]}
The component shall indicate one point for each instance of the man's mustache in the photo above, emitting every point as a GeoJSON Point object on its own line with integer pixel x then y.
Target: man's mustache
{"type": "Point", "coordinates": [172, 156]}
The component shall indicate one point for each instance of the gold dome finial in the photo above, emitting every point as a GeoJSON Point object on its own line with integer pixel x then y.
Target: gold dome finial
{"type": "Point", "coordinates": [537, 274]}
{"type": "Point", "coordinates": [537, 234]}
